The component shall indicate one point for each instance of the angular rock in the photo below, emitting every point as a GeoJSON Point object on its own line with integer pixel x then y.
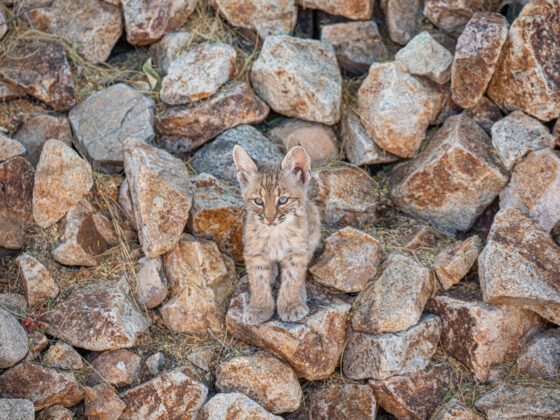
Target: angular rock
{"type": "Point", "coordinates": [234, 406]}
{"type": "Point", "coordinates": [527, 77]}
{"type": "Point", "coordinates": [456, 410]}
{"type": "Point", "coordinates": [420, 236]}
{"type": "Point", "coordinates": [541, 356]}
{"type": "Point", "coordinates": [63, 356]}
{"type": "Point", "coordinates": [102, 403]}
{"type": "Point", "coordinates": [117, 367]}
{"type": "Point", "coordinates": [451, 16]}
{"type": "Point", "coordinates": [97, 318]}
{"type": "Point", "coordinates": [345, 401]}
{"type": "Point", "coordinates": [160, 194]}
{"type": "Point", "coordinates": [155, 362]}
{"type": "Point", "coordinates": [55, 412]}
{"type": "Point", "coordinates": [312, 346]}
{"type": "Point", "coordinates": [168, 48]}
{"type": "Point", "coordinates": [9, 148]}
{"type": "Point", "coordinates": [263, 378]}
{"type": "Point", "coordinates": [345, 196]}
{"type": "Point", "coordinates": [356, 44]}
{"type": "Point", "coordinates": [517, 402]}
{"type": "Point", "coordinates": [348, 261]}
{"type": "Point", "coordinates": [40, 69]}
{"type": "Point", "coordinates": [424, 56]}
{"type": "Point", "coordinates": [414, 396]}
{"type": "Point", "coordinates": [147, 21]}
{"type": "Point", "coordinates": [175, 394]}
{"type": "Point", "coordinates": [478, 335]}
{"type": "Point", "coordinates": [201, 279]}
{"type": "Point", "coordinates": [388, 93]}
{"type": "Point", "coordinates": [314, 94]}
{"type": "Point", "coordinates": [182, 129]}
{"type": "Point", "coordinates": [94, 26]}
{"type": "Point", "coordinates": [453, 180]}
{"type": "Point", "coordinates": [355, 9]}
{"type": "Point", "coordinates": [382, 355]}
{"type": "Point", "coordinates": [485, 113]}
{"type": "Point", "coordinates": [218, 213]}
{"type": "Point", "coordinates": [19, 409]}
{"type": "Point", "coordinates": [13, 340]}
{"type": "Point", "coordinates": [395, 301]}
{"type": "Point", "coordinates": [454, 262]}
{"type": "Point", "coordinates": [401, 17]}
{"type": "Point", "coordinates": [203, 359]}
{"type": "Point", "coordinates": [38, 284]}
{"type": "Point", "coordinates": [44, 387]}
{"type": "Point", "coordinates": [105, 119]}
{"type": "Point", "coordinates": [37, 343]}
{"type": "Point", "coordinates": [61, 180]}
{"type": "Point", "coordinates": [152, 283]}
{"type": "Point", "coordinates": [216, 158]}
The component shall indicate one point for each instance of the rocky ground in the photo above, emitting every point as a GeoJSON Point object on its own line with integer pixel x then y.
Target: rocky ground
{"type": "Point", "coordinates": [432, 129]}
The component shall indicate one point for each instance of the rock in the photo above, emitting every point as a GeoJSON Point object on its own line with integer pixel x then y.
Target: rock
{"type": "Point", "coordinates": [125, 202]}
{"type": "Point", "coordinates": [155, 362]}
{"type": "Point", "coordinates": [3, 28]}
{"type": "Point", "coordinates": [382, 355]}
{"type": "Point", "coordinates": [556, 131]}
{"type": "Point", "coordinates": [86, 234]}
{"type": "Point", "coordinates": [198, 72]}
{"type": "Point", "coordinates": [345, 196]}
{"type": "Point", "coordinates": [44, 387]}
{"type": "Point", "coordinates": [356, 44]}
{"type": "Point", "coordinates": [13, 340]}
{"type": "Point", "coordinates": [152, 283]}
{"type": "Point", "coordinates": [94, 26]}
{"type": "Point", "coordinates": [203, 359]}
{"type": "Point", "coordinates": [454, 262]}
{"type": "Point", "coordinates": [55, 412]}
{"type": "Point", "coordinates": [395, 301]}
{"type": "Point", "coordinates": [344, 401]}
{"type": "Point", "coordinates": [485, 113]}
{"type": "Point", "coordinates": [38, 284]}
{"type": "Point", "coordinates": [479, 335]}
{"type": "Point", "coordinates": [457, 174]}
{"type": "Point", "coordinates": [312, 346]}
{"type": "Point", "coordinates": [36, 130]}
{"type": "Point", "coordinates": [424, 56]}
{"type": "Point", "coordinates": [216, 158]}
{"type": "Point", "coordinates": [117, 367]}
{"type": "Point", "coordinates": [63, 356]}
{"type": "Point", "coordinates": [97, 318]}
{"type": "Point", "coordinates": [420, 236]}
{"type": "Point", "coordinates": [541, 356]}
{"type": "Point", "coordinates": [401, 17]}
{"type": "Point", "coordinates": [61, 180]}
{"type": "Point", "coordinates": [451, 16]}
{"type": "Point", "coordinates": [168, 48]}
{"type": "Point", "coordinates": [105, 119]}
{"type": "Point", "coordinates": [182, 129]}
{"type": "Point", "coordinates": [387, 93]}
{"type": "Point", "coordinates": [263, 17]}
{"type": "Point", "coordinates": [218, 213]}
{"type": "Point", "coordinates": [175, 394]}
{"type": "Point", "coordinates": [314, 94]}
{"type": "Point", "coordinates": [16, 193]}
{"type": "Point", "coordinates": [102, 403]}
{"type": "Point", "coordinates": [201, 279]}
{"type": "Point", "coordinates": [516, 402]}
{"type": "Point", "coordinates": [37, 343]}
{"type": "Point", "coordinates": [233, 406]}
{"type": "Point", "coordinates": [9, 148]}
{"type": "Point", "coordinates": [14, 303]}
{"type": "Point", "coordinates": [476, 57]}
{"type": "Point", "coordinates": [7, 93]}
{"type": "Point", "coordinates": [317, 139]}
{"type": "Point", "coordinates": [40, 69]}
{"type": "Point", "coordinates": [147, 21]}
{"type": "Point", "coordinates": [519, 265]}
{"type": "Point", "coordinates": [456, 410]}
{"type": "Point", "coordinates": [414, 396]}
{"type": "Point", "coordinates": [348, 261]}
{"type": "Point", "coordinates": [360, 149]}
{"type": "Point", "coordinates": [16, 409]}
{"type": "Point", "coordinates": [263, 378]}
{"type": "Point", "coordinates": [356, 9]}
{"type": "Point", "coordinates": [160, 194]}
{"type": "Point", "coordinates": [525, 78]}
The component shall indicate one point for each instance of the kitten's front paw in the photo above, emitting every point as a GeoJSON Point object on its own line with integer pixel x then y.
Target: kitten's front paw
{"type": "Point", "coordinates": [293, 312]}
{"type": "Point", "coordinates": [257, 314]}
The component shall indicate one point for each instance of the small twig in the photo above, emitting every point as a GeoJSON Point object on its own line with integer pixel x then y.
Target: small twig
{"type": "Point", "coordinates": [25, 10]}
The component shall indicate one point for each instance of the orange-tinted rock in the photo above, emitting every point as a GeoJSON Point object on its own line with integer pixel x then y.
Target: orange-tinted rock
{"type": "Point", "coordinates": [38, 284]}
{"type": "Point", "coordinates": [420, 236]}
{"type": "Point", "coordinates": [117, 367]}
{"type": "Point", "coordinates": [401, 17]}
{"type": "Point", "coordinates": [456, 410]}
{"type": "Point", "coordinates": [451, 16]}
{"type": "Point", "coordinates": [102, 403]}
{"type": "Point", "coordinates": [352, 9]}
{"type": "Point", "coordinates": [234, 406]}
{"type": "Point", "coordinates": [63, 356]}
{"type": "Point", "coordinates": [55, 412]}
{"type": "Point", "coordinates": [454, 262]}
{"type": "Point", "coordinates": [347, 401]}
{"type": "Point", "coordinates": [37, 343]}
{"type": "Point", "coordinates": [9, 148]}
{"type": "Point", "coordinates": [485, 113]}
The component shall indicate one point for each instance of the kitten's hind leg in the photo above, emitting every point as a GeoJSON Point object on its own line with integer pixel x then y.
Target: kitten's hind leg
{"type": "Point", "coordinates": [292, 296]}
{"type": "Point", "coordinates": [261, 304]}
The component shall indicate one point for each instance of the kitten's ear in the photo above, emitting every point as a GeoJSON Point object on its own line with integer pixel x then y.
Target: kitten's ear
{"type": "Point", "coordinates": [298, 163]}
{"type": "Point", "coordinates": [245, 165]}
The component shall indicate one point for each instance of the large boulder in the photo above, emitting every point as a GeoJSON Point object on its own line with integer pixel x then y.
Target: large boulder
{"type": "Point", "coordinates": [451, 16]}
{"type": "Point", "coordinates": [342, 401]}
{"type": "Point", "coordinates": [354, 9]}
{"type": "Point", "coordinates": [38, 284]}
{"type": "Point", "coordinates": [13, 340]}
{"type": "Point", "coordinates": [234, 406]}
{"type": "Point", "coordinates": [541, 356]}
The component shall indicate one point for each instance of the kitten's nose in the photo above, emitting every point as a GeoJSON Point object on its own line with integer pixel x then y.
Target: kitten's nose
{"type": "Point", "coordinates": [270, 219]}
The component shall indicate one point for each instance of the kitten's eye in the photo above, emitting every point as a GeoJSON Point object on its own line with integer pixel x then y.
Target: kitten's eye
{"type": "Point", "coordinates": [258, 201]}
{"type": "Point", "coordinates": [282, 200]}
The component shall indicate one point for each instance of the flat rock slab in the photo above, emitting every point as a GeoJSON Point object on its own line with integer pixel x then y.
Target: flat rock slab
{"type": "Point", "coordinates": [519, 265]}
{"type": "Point", "coordinates": [354, 9]}
{"type": "Point", "coordinates": [20, 409]}
{"type": "Point", "coordinates": [454, 262]}
{"type": "Point", "coordinates": [38, 284]}
{"type": "Point", "coordinates": [541, 356]}
{"type": "Point", "coordinates": [13, 340]}
{"type": "Point", "coordinates": [401, 17]}
{"type": "Point", "coordinates": [312, 346]}
{"type": "Point", "coordinates": [234, 406]}
{"type": "Point", "coordinates": [10, 148]}
{"type": "Point", "coordinates": [452, 16]}
{"type": "Point", "coordinates": [278, 78]}
{"type": "Point", "coordinates": [347, 401]}
{"type": "Point", "coordinates": [453, 180]}
{"type": "Point", "coordinates": [456, 410]}
{"type": "Point", "coordinates": [105, 119]}
{"type": "Point", "coordinates": [117, 367]}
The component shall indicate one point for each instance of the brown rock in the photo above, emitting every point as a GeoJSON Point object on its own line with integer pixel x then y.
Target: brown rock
{"type": "Point", "coordinates": [55, 412]}
{"type": "Point", "coordinates": [453, 180]}
{"type": "Point", "coordinates": [348, 401]}
{"type": "Point", "coordinates": [420, 236]}
{"type": "Point", "coordinates": [234, 406]}
{"type": "Point", "coordinates": [9, 148]}
{"type": "Point", "coordinates": [40, 69]}
{"type": "Point", "coordinates": [485, 113]}
{"type": "Point", "coordinates": [63, 356]}
{"type": "Point", "coordinates": [451, 16]}
{"type": "Point", "coordinates": [38, 284]}
{"type": "Point", "coordinates": [541, 356]}
{"type": "Point", "coordinates": [117, 367]}
{"type": "Point", "coordinates": [456, 410]}
{"type": "Point", "coordinates": [7, 93]}
{"type": "Point", "coordinates": [353, 9]}
{"type": "Point", "coordinates": [37, 343]}
{"type": "Point", "coordinates": [102, 403]}
{"type": "Point", "coordinates": [44, 387]}
{"type": "Point", "coordinates": [152, 283]}
{"type": "Point", "coordinates": [401, 17]}
{"type": "Point", "coordinates": [476, 57]}
{"type": "Point", "coordinates": [175, 394]}
{"type": "Point", "coordinates": [454, 262]}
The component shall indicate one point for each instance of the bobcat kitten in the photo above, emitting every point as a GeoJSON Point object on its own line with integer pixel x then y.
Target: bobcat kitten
{"type": "Point", "coordinates": [283, 228]}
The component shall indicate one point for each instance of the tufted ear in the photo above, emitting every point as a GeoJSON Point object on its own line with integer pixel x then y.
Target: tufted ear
{"type": "Point", "coordinates": [245, 165]}
{"type": "Point", "coordinates": [298, 163]}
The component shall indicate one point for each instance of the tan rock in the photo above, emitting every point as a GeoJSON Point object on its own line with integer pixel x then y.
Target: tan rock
{"type": "Point", "coordinates": [38, 284]}
{"type": "Point", "coordinates": [13, 340]}
{"type": "Point", "coordinates": [453, 180]}
{"type": "Point", "coordinates": [55, 412]}
{"type": "Point", "coordinates": [541, 356]}
{"type": "Point", "coordinates": [117, 367]}
{"type": "Point", "coordinates": [152, 283]}
{"type": "Point", "coordinates": [169, 47]}
{"type": "Point", "coordinates": [63, 356]}
{"type": "Point", "coordinates": [420, 236]}
{"type": "Point", "coordinates": [451, 16]}
{"type": "Point", "coordinates": [348, 261]}
{"type": "Point", "coordinates": [456, 410]}
{"type": "Point", "coordinates": [102, 403]}
{"type": "Point", "coordinates": [201, 279]}
{"type": "Point", "coordinates": [454, 262]}
{"type": "Point", "coordinates": [354, 9]}
{"type": "Point", "coordinates": [485, 113]}
{"type": "Point", "coordinates": [9, 148]}
{"type": "Point", "coordinates": [355, 401]}
{"type": "Point", "coordinates": [234, 406]}
{"type": "Point", "coordinates": [401, 17]}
